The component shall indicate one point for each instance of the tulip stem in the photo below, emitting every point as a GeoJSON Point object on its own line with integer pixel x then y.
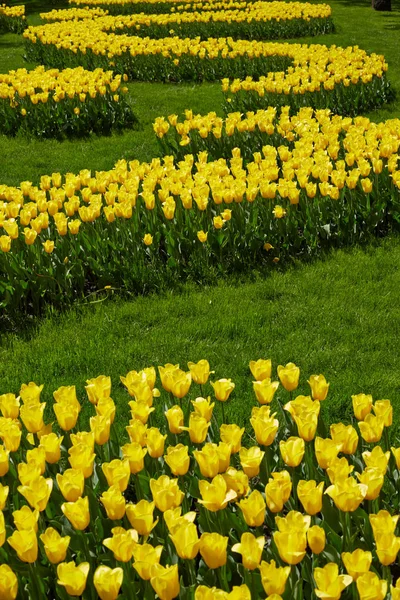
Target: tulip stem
{"type": "Point", "coordinates": [223, 413]}
{"type": "Point", "coordinates": [222, 578]}
{"type": "Point", "coordinates": [35, 581]}
{"type": "Point", "coordinates": [127, 584]}
{"type": "Point", "coordinates": [192, 572]}
{"type": "Point", "coordinates": [387, 574]}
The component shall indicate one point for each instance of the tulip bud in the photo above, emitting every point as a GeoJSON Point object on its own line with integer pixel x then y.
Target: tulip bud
{"type": "Point", "coordinates": [186, 541]}
{"type": "Point", "coordinates": [77, 513]}
{"type": "Point", "coordinates": [175, 419]}
{"type": "Point", "coordinates": [117, 472]}
{"type": "Point", "coordinates": [292, 451]}
{"type": "Point", "coordinates": [250, 459]}
{"type": "Point", "coordinates": [55, 545]}
{"type": "Point", "coordinates": [253, 509]}
{"type": "Point", "coordinates": [135, 454]}
{"type": "Point", "coordinates": [155, 442]}
{"type": "Point", "coordinates": [273, 578]}
{"type": "Point", "coordinates": [289, 376]}
{"type": "Point", "coordinates": [140, 516]}
{"type": "Point", "coordinates": [114, 503]}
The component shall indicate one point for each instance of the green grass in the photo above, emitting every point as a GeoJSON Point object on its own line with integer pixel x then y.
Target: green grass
{"type": "Point", "coordinates": [339, 316]}
{"type": "Point", "coordinates": [22, 159]}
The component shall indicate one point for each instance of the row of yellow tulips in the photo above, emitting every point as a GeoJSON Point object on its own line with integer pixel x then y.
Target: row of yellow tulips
{"type": "Point", "coordinates": [119, 7]}
{"type": "Point", "coordinates": [73, 14]}
{"type": "Point", "coordinates": [12, 18]}
{"type": "Point", "coordinates": [309, 514]}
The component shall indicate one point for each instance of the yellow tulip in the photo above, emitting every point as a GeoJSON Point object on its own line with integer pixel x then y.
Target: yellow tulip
{"type": "Point", "coordinates": [140, 410]}
{"type": "Point", "coordinates": [319, 387]}
{"type": "Point", "coordinates": [145, 556]}
{"type": "Point", "coordinates": [174, 519]}
{"type": "Point", "coordinates": [98, 388]}
{"type": "Point", "coordinates": [36, 458]}
{"type": "Point", "coordinates": [66, 394]}
{"type": "Point", "coordinates": [208, 460]}
{"type": "Point", "coordinates": [51, 444]}
{"type": "Point", "coordinates": [273, 578]}
{"type": "Point", "coordinates": [347, 494]}
{"type": "Point", "coordinates": [373, 478]}
{"type": "Point", "coordinates": [330, 584]}
{"type": "Point", "coordinates": [316, 539]}
{"type": "Point", "coordinates": [310, 496]}
{"type": "Point", "coordinates": [198, 428]}
{"type": "Point", "coordinates": [25, 518]}
{"type": "Point", "coordinates": [186, 541]}
{"type": "Point", "coordinates": [277, 491]}
{"type": "Point", "coordinates": [137, 431]}
{"type": "Point", "coordinates": [294, 521]}
{"type": "Point", "coordinates": [166, 493]}
{"type": "Point", "coordinates": [175, 419]}
{"type": "Point", "coordinates": [5, 243]}
{"type": "Point", "coordinates": [108, 582]}
{"type": "Point", "coordinates": [357, 563]}
{"type": "Point", "coordinates": [100, 426]}
{"type": "Point", "coordinates": [232, 435]}
{"type": "Point", "coordinates": [251, 549]}
{"type": "Point", "coordinates": [148, 239]}
{"type": "Point", "coordinates": [292, 451]}
{"type": "Point", "coordinates": [86, 438]}
{"type": "Point", "coordinates": [215, 495]}
{"type": "Point", "coordinates": [291, 546]}
{"type": "Point", "coordinates": [4, 489]}
{"type": "Point", "coordinates": [289, 376]}
{"type": "Point", "coordinates": [325, 450]}
{"type": "Point", "coordinates": [10, 433]}
{"type": "Point", "coordinates": [236, 481]}
{"type": "Point", "coordinates": [223, 389]}
{"type": "Point", "coordinates": [73, 577]}
{"type": "Point", "coordinates": [135, 454]}
{"type": "Point", "coordinates": [384, 410]}
{"type": "Point", "coordinates": [8, 583]}
{"type": "Point", "coordinates": [213, 549]}
{"type": "Point", "coordinates": [55, 545]}
{"type": "Point", "coordinates": [200, 371]}
{"type": "Point", "coordinates": [37, 493]}
{"type": "Point", "coordinates": [362, 406]}
{"type": "Point", "coordinates": [178, 460]}
{"type": "Point", "coordinates": [250, 460]}
{"type": "Point", "coordinates": [166, 375]}
{"type": "Point", "coordinates": [67, 414]}
{"type": "Point", "coordinates": [141, 517]}
{"type": "Point", "coordinates": [370, 586]}
{"type": "Point", "coordinates": [202, 236]}
{"type": "Point", "coordinates": [345, 436]}
{"type": "Point", "coordinates": [396, 454]}
{"type": "Point", "coordinates": [205, 593]}
{"type": "Point", "coordinates": [165, 581]}
{"type": "Point", "coordinates": [2, 529]}
{"type": "Point", "coordinates": [180, 383]}
{"type": "Point", "coordinates": [204, 407]}
{"type": "Point", "coordinates": [32, 416]}
{"type": "Point", "coordinates": [117, 472]}
{"type": "Point", "coordinates": [261, 369]}
{"type": "Point", "coordinates": [71, 484]}
{"type": "Point", "coordinates": [383, 522]}
{"type": "Point", "coordinates": [122, 543]}
{"type": "Point", "coordinates": [265, 390]}
{"type": "Point", "coordinates": [30, 392]}
{"type": "Point", "coordinates": [77, 513]}
{"type": "Point", "coordinates": [395, 591]}
{"type": "Point", "coordinates": [253, 509]}
{"type": "Point", "coordinates": [9, 406]}
{"type": "Point", "coordinates": [264, 424]}
{"type": "Point", "coordinates": [28, 473]}
{"type": "Point", "coordinates": [338, 469]}
{"type": "Point", "coordinates": [25, 545]}
{"type": "Point", "coordinates": [371, 428]}
{"type": "Point", "coordinates": [114, 503]}
{"type": "Point", "coordinates": [4, 464]}
{"type": "Point", "coordinates": [387, 547]}
{"type": "Point", "coordinates": [155, 442]}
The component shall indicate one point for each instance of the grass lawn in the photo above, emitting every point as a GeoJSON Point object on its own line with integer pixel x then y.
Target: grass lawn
{"type": "Point", "coordinates": [339, 316]}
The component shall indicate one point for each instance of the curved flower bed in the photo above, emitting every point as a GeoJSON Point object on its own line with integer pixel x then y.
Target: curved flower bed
{"type": "Point", "coordinates": [12, 18]}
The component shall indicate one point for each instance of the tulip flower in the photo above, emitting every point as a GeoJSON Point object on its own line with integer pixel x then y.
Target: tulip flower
{"type": "Point", "coordinates": [108, 582]}
{"type": "Point", "coordinates": [339, 469]}
{"type": "Point", "coordinates": [37, 458]}
{"type": "Point", "coordinates": [236, 481]}
{"type": "Point", "coordinates": [232, 434]}
{"type": "Point", "coordinates": [141, 517]}
{"type": "Point", "coordinates": [9, 406]}
{"type": "Point", "coordinates": [200, 371]}
{"type": "Point", "coordinates": [165, 581]}
{"type": "Point", "coordinates": [205, 593]}
{"type": "Point", "coordinates": [215, 495]}
{"type": "Point", "coordinates": [114, 503]}
{"type": "Point", "coordinates": [51, 444]}
{"type": "Point", "coordinates": [166, 375]}
{"type": "Point", "coordinates": [383, 522]}
{"type": "Point", "coordinates": [289, 376]}
{"type": "Point", "coordinates": [294, 521]}
{"type": "Point", "coordinates": [387, 547]}
{"type": "Point", "coordinates": [30, 392]}
{"type": "Point", "coordinates": [395, 591]}
{"type": "Point", "coordinates": [81, 457]}
{"type": "Point", "coordinates": [32, 416]}
{"type": "Point", "coordinates": [2, 529]}
{"type": "Point", "coordinates": [371, 428]}
{"type": "Point", "coordinates": [273, 578]}
{"type": "Point", "coordinates": [291, 546]}
{"type": "Point", "coordinates": [250, 460]}
{"type": "Point", "coordinates": [319, 387]}
{"type": "Point", "coordinates": [261, 369]}
{"type": "Point", "coordinates": [135, 454]}
{"type": "Point", "coordinates": [55, 545]}
{"type": "Point", "coordinates": [370, 586]}
{"type": "Point", "coordinates": [384, 410]}
{"type": "Point", "coordinates": [100, 426]}
{"type": "Point", "coordinates": [86, 438]}
{"type": "Point", "coordinates": [117, 472]}
{"type": "Point", "coordinates": [251, 549]}
{"type": "Point", "coordinates": [198, 428]}
{"type": "Point", "coordinates": [166, 493]}
{"type": "Point", "coordinates": [25, 518]}
{"type": "Point", "coordinates": [77, 513]}
{"type": "Point", "coordinates": [377, 459]}
{"type": "Point", "coordinates": [67, 414]}
{"type": "Point", "coordinates": [292, 451]}
{"type": "Point", "coordinates": [37, 493]}
{"type": "Point", "coordinates": [204, 407]}
{"type": "Point", "coordinates": [396, 454]}
{"type": "Point", "coordinates": [106, 408]}
{"type": "Point", "coordinates": [347, 494]}
{"type": "Point", "coordinates": [178, 460]}
{"type": "Point", "coordinates": [325, 450]}
{"type": "Point", "coordinates": [344, 436]}
{"type": "Point", "coordinates": [265, 390]}
{"type": "Point", "coordinates": [4, 464]}
{"type": "Point", "coordinates": [362, 406]}
{"type": "Point", "coordinates": [186, 541]}
{"type": "Point", "coordinates": [140, 411]}
{"type": "Point", "coordinates": [155, 442]}
{"type": "Point", "coordinates": [145, 556]}
{"type": "Point", "coordinates": [8, 583]}
{"type": "Point", "coordinates": [122, 543]}
{"type": "Point", "coordinates": [316, 539]}
{"type": "Point", "coordinates": [98, 388]}
{"type": "Point", "coordinates": [4, 489]}
{"type": "Point", "coordinates": [71, 484]}
{"type": "Point", "coordinates": [73, 577]}
{"type": "Point", "coordinates": [357, 563]}
{"type": "Point", "coordinates": [174, 519]}
{"type": "Point", "coordinates": [264, 424]}
{"type": "Point", "coordinates": [253, 509]}
{"type": "Point", "coordinates": [373, 478]}
{"type": "Point", "coordinates": [175, 419]}
{"type": "Point", "coordinates": [25, 545]}
{"type": "Point", "coordinates": [329, 583]}
{"type": "Point", "coordinates": [223, 389]}
{"type": "Point", "coordinates": [208, 460]}
{"type": "Point", "coordinates": [11, 435]}
{"type": "Point", "coordinates": [137, 432]}
{"type": "Point", "coordinates": [213, 549]}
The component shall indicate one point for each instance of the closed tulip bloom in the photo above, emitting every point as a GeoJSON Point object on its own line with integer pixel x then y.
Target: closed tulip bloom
{"type": "Point", "coordinates": [362, 406]}
{"type": "Point", "coordinates": [25, 545]}
{"type": "Point", "coordinates": [310, 496]}
{"type": "Point", "coordinates": [97, 388]}
{"type": "Point", "coordinates": [135, 454]}
{"type": "Point", "coordinates": [77, 513]}
{"type": "Point", "coordinates": [114, 503]}
{"type": "Point", "coordinates": [291, 546]}
{"type": "Point", "coordinates": [117, 472]}
{"type": "Point", "coordinates": [224, 455]}
{"type": "Point", "coordinates": [137, 432]}
{"type": "Point", "coordinates": [36, 458]}
{"type": "Point", "coordinates": [145, 556]}
{"type": "Point", "coordinates": [100, 426]}
{"type": "Point", "coordinates": [37, 493]}
{"type": "Point", "coordinates": [166, 375]}
{"type": "Point", "coordinates": [261, 369]}
{"type": "Point", "coordinates": [253, 509]}
{"type": "Point", "coordinates": [108, 582]}
{"type": "Point", "coordinates": [250, 459]}
{"type": "Point", "coordinates": [213, 549]}
{"type": "Point", "coordinates": [25, 518]}
{"type": "Point", "coordinates": [4, 489]}
{"type": "Point", "coordinates": [265, 390]}
{"type": "Point", "coordinates": [9, 406]}
{"type": "Point", "coordinates": [370, 587]}
{"type": "Point", "coordinates": [357, 563]}
{"type": "Point", "coordinates": [32, 416]}
{"type": "Point", "coordinates": [28, 473]}
{"type": "Point", "coordinates": [141, 516]}
{"type": "Point", "coordinates": [178, 460]}
{"type": "Point", "coordinates": [251, 549]}
{"type": "Point", "coordinates": [294, 521]}
{"type": "Point", "coordinates": [55, 545]}
{"type": "Point", "coordinates": [202, 236]}
{"type": "Point", "coordinates": [307, 424]}
{"type": "Point", "coordinates": [155, 442]}
{"type": "Point", "coordinates": [175, 419]}
{"type": "Point", "coordinates": [166, 493]}
{"type": "Point", "coordinates": [223, 389]}
{"type": "Point", "coordinates": [277, 491]}
{"type": "Point", "coordinates": [347, 494]}
{"type": "Point", "coordinates": [330, 584]}
{"type": "Point", "coordinates": [200, 371]}
{"type": "Point", "coordinates": [204, 407]}
{"type": "Point", "coordinates": [30, 392]}
{"type": "Point", "coordinates": [67, 415]}
{"type": "Point", "coordinates": [292, 451]}
{"type": "Point", "coordinates": [186, 541]}
{"type": "Point", "coordinates": [165, 581]}
{"type": "Point", "coordinates": [316, 539]}
{"type": "Point", "coordinates": [71, 484]}
{"type": "Point", "coordinates": [345, 436]}
{"type": "Point", "coordinates": [106, 408]}
{"type": "Point", "coordinates": [51, 444]}
{"type": "Point", "coordinates": [11, 435]}
{"type": "Point", "coordinates": [236, 481]}
{"type": "Point", "coordinates": [383, 522]}
{"type": "Point", "coordinates": [371, 428]}
{"type": "Point", "coordinates": [373, 478]}
{"type": "Point", "coordinates": [215, 495]}
{"type": "Point", "coordinates": [325, 450]}
{"type": "Point", "coordinates": [4, 464]}
{"type": "Point", "coordinates": [174, 519]}
{"type": "Point", "coordinates": [140, 410]}
{"type": "Point", "coordinates": [67, 394]}
{"type": "Point", "coordinates": [122, 543]}
{"type": "Point", "coordinates": [338, 469]}
{"type": "Point", "coordinates": [180, 383]}
{"type": "Point", "coordinates": [289, 376]}
{"type": "Point", "coordinates": [73, 577]}
{"type": "Point", "coordinates": [387, 547]}
{"type": "Point", "coordinates": [319, 387]}
{"type": "Point", "coordinates": [8, 583]}
{"type": "Point", "coordinates": [273, 578]}
{"type": "Point", "coordinates": [232, 435]}
{"type": "Point", "coordinates": [198, 428]}
{"type": "Point", "coordinates": [205, 593]}
{"type": "Point", "coordinates": [264, 424]}
{"type": "Point", "coordinates": [86, 438]}
{"type": "Point", "coordinates": [208, 460]}
{"type": "Point", "coordinates": [384, 410]}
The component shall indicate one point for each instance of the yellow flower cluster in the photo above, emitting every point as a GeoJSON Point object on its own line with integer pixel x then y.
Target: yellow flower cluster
{"type": "Point", "coordinates": [125, 2]}
{"type": "Point", "coordinates": [12, 11]}
{"type": "Point", "coordinates": [193, 503]}
{"type": "Point", "coordinates": [73, 14]}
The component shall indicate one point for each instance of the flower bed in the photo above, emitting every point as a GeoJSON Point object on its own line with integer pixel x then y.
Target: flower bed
{"type": "Point", "coordinates": [123, 7]}
{"type": "Point", "coordinates": [12, 18]}
{"type": "Point", "coordinates": [73, 14]}
{"type": "Point", "coordinates": [52, 103]}
{"type": "Point", "coordinates": [196, 506]}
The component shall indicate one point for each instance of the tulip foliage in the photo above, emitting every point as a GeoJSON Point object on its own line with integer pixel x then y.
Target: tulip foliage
{"type": "Point", "coordinates": [12, 18]}
{"type": "Point", "coordinates": [190, 505]}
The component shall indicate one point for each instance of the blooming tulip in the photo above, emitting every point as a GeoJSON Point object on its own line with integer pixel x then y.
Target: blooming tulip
{"type": "Point", "coordinates": [370, 586]}
{"type": "Point", "coordinates": [25, 545]}
{"type": "Point", "coordinates": [204, 407]}
{"type": "Point", "coordinates": [338, 469]}
{"type": "Point", "coordinates": [223, 389]}
{"type": "Point", "coordinates": [289, 376]}
{"type": "Point", "coordinates": [9, 406]}
{"type": "Point", "coordinates": [37, 493]}
{"type": "Point", "coordinates": [135, 454]}
{"type": "Point", "coordinates": [347, 494]}
{"type": "Point", "coordinates": [377, 459]}
{"type": "Point", "coordinates": [4, 464]}
{"type": "Point", "coordinates": [174, 519]}
{"type": "Point", "coordinates": [250, 459]}
{"type": "Point", "coordinates": [145, 556]}
{"type": "Point", "coordinates": [117, 472]}
{"type": "Point", "coordinates": [25, 518]}
{"type": "Point", "coordinates": [32, 416]}
{"type": "Point", "coordinates": [175, 419]}
{"type": "Point", "coordinates": [114, 503]}
{"type": "Point", "coordinates": [236, 481]}
{"type": "Point", "coordinates": [362, 406]}
{"type": "Point", "coordinates": [215, 495]}
{"type": "Point", "coordinates": [30, 392]}
{"type": "Point", "coordinates": [371, 428]}
{"type": "Point", "coordinates": [384, 410]}
{"type": "Point", "coordinates": [122, 543]}
{"type": "Point", "coordinates": [264, 424]}
{"type": "Point", "coordinates": [77, 513]}
{"type": "Point", "coordinates": [232, 434]}
{"type": "Point", "coordinates": [141, 517]}
{"type": "Point", "coordinates": [155, 442]}
{"type": "Point", "coordinates": [292, 451]}
{"type": "Point", "coordinates": [357, 563]}
{"type": "Point", "coordinates": [273, 578]}
{"type": "Point", "coordinates": [325, 450]}
{"type": "Point", "coordinates": [291, 546]}
{"type": "Point", "coordinates": [71, 484]}
{"type": "Point", "coordinates": [55, 545]}
{"type": "Point", "coordinates": [251, 549]}
{"type": "Point", "coordinates": [200, 371]}
{"type": "Point", "coordinates": [186, 541]}
{"type": "Point", "coordinates": [198, 428]}
{"type": "Point", "coordinates": [137, 432]}
{"type": "Point", "coordinates": [213, 549]}
{"type": "Point", "coordinates": [108, 582]}
{"type": "Point", "coordinates": [178, 460]}
{"type": "Point", "coordinates": [100, 426]}
{"type": "Point", "coordinates": [166, 493]}
{"type": "Point", "coordinates": [316, 539]}
{"type": "Point", "coordinates": [261, 369]}
{"type": "Point", "coordinates": [67, 414]}
{"type": "Point", "coordinates": [73, 577]}
{"type": "Point", "coordinates": [97, 388]}
{"type": "Point", "coordinates": [8, 583]}
{"type": "Point", "coordinates": [253, 509]}
{"type": "Point", "coordinates": [165, 581]}
{"type": "Point", "coordinates": [208, 460]}
{"type": "Point", "coordinates": [345, 436]}
{"type": "Point", "coordinates": [373, 478]}
{"type": "Point", "coordinates": [329, 583]}
{"type": "Point", "coordinates": [51, 444]}
{"type": "Point", "coordinates": [265, 390]}
{"type": "Point", "coordinates": [319, 387]}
